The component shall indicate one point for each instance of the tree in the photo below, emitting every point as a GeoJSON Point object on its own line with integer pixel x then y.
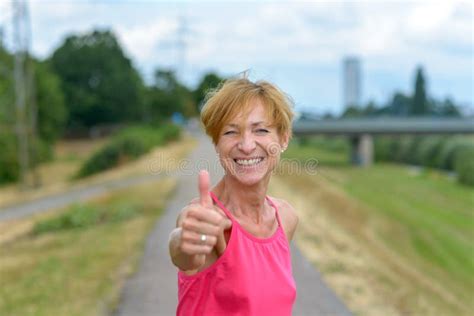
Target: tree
{"type": "Point", "coordinates": [209, 81]}
{"type": "Point", "coordinates": [50, 118]}
{"type": "Point", "coordinates": [447, 108]}
{"type": "Point", "coordinates": [99, 81]}
{"type": "Point", "coordinates": [6, 89]}
{"type": "Point", "coordinates": [420, 102]}
{"type": "Point", "coordinates": [400, 105]}
{"type": "Point", "coordinates": [352, 111]}
{"type": "Point", "coordinates": [52, 112]}
{"type": "Point", "coordinates": [167, 96]}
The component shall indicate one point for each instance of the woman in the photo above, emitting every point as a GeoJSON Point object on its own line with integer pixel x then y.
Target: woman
{"type": "Point", "coordinates": [231, 245]}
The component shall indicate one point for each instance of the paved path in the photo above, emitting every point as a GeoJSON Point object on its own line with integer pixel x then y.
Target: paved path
{"type": "Point", "coordinates": [72, 196]}
{"type": "Point", "coordinates": [153, 288]}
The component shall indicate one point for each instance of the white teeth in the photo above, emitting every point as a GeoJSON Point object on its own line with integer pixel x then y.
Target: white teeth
{"type": "Point", "coordinates": [249, 162]}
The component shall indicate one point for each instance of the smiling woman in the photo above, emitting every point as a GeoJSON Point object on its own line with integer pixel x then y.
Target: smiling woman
{"type": "Point", "coordinates": [231, 245]}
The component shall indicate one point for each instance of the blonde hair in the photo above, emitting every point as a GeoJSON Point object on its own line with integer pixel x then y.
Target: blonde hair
{"type": "Point", "coordinates": [233, 97]}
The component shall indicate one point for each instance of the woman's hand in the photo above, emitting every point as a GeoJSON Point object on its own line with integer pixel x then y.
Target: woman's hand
{"type": "Point", "coordinates": [200, 229]}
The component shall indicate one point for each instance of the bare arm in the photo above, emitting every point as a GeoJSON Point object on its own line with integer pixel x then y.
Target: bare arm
{"type": "Point", "coordinates": [289, 218]}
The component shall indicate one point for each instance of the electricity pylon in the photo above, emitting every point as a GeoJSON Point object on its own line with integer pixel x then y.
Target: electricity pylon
{"type": "Point", "coordinates": [25, 107]}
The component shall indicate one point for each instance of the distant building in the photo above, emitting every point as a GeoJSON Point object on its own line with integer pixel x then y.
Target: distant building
{"type": "Point", "coordinates": [352, 82]}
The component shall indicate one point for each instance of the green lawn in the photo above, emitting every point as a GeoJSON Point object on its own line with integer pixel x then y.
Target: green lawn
{"type": "Point", "coordinates": [430, 216]}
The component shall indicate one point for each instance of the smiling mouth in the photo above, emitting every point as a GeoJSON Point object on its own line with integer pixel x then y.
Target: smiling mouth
{"type": "Point", "coordinates": [249, 162]}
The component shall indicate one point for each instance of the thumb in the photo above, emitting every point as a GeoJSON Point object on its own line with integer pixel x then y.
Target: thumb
{"type": "Point", "coordinates": [204, 187]}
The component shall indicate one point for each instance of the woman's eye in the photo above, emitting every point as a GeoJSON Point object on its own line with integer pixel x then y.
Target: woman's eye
{"type": "Point", "coordinates": [229, 132]}
{"type": "Point", "coordinates": [262, 130]}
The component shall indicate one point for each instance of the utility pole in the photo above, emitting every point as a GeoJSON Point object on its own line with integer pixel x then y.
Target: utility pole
{"type": "Point", "coordinates": [178, 45]}
{"type": "Point", "coordinates": [23, 76]}
{"type": "Point", "coordinates": [181, 45]}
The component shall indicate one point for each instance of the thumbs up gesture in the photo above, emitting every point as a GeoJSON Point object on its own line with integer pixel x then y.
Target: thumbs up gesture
{"type": "Point", "coordinates": [202, 227]}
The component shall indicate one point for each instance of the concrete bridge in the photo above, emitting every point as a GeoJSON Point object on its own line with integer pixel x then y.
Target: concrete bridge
{"type": "Point", "coordinates": [360, 131]}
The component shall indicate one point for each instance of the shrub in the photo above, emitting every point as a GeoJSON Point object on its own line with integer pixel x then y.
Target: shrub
{"type": "Point", "coordinates": [464, 164]}
{"type": "Point", "coordinates": [428, 149]}
{"type": "Point", "coordinates": [383, 148]}
{"type": "Point", "coordinates": [9, 168]}
{"type": "Point", "coordinates": [128, 145]}
{"type": "Point", "coordinates": [445, 157]}
{"type": "Point", "coordinates": [410, 155]}
{"type": "Point", "coordinates": [402, 149]}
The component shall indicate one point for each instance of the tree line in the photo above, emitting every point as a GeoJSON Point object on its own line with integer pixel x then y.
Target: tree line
{"type": "Point", "coordinates": [401, 105]}
{"type": "Point", "coordinates": [88, 81]}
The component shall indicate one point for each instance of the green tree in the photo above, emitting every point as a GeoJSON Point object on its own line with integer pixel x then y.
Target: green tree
{"type": "Point", "coordinates": [6, 89]}
{"type": "Point", "coordinates": [209, 81]}
{"type": "Point", "coordinates": [353, 111]}
{"type": "Point", "coordinates": [99, 82]}
{"type": "Point", "coordinates": [446, 108]}
{"type": "Point", "coordinates": [167, 96]}
{"type": "Point", "coordinates": [52, 112]}
{"type": "Point", "coordinates": [420, 102]}
{"type": "Point", "coordinates": [400, 105]}
{"type": "Point", "coordinates": [50, 118]}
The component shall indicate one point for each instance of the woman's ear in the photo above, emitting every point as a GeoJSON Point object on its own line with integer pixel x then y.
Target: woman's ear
{"type": "Point", "coordinates": [285, 138]}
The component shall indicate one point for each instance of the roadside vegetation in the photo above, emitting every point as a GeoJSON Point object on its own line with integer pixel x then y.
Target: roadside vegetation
{"type": "Point", "coordinates": [390, 239]}
{"type": "Point", "coordinates": [128, 145]}
{"type": "Point", "coordinates": [74, 261]}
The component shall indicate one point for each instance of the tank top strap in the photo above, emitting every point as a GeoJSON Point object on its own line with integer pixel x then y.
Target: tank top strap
{"type": "Point", "coordinates": [221, 206]}
{"type": "Point", "coordinates": [276, 210]}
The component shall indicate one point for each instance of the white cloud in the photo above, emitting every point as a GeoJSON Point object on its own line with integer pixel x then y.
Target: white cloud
{"type": "Point", "coordinates": [391, 37]}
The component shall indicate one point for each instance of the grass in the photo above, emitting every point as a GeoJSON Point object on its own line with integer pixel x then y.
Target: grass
{"type": "Point", "coordinates": [402, 240]}
{"type": "Point", "coordinates": [78, 269]}
{"type": "Point", "coordinates": [74, 261]}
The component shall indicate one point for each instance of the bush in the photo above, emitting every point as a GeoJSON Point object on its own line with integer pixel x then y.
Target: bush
{"type": "Point", "coordinates": [383, 148]}
{"type": "Point", "coordinates": [410, 155]}
{"type": "Point", "coordinates": [328, 143]}
{"type": "Point", "coordinates": [402, 149]}
{"type": "Point", "coordinates": [429, 147]}
{"type": "Point", "coordinates": [9, 168]}
{"type": "Point", "coordinates": [445, 157]}
{"type": "Point", "coordinates": [464, 164]}
{"type": "Point", "coordinates": [128, 145]}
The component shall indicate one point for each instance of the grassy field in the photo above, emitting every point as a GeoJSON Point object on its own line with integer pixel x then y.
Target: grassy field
{"type": "Point", "coordinates": [79, 271]}
{"type": "Point", "coordinates": [391, 241]}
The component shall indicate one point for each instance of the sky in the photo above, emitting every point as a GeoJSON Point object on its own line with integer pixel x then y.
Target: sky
{"type": "Point", "coordinates": [300, 46]}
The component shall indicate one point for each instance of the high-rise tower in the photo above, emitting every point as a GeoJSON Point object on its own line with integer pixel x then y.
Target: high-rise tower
{"type": "Point", "coordinates": [352, 82]}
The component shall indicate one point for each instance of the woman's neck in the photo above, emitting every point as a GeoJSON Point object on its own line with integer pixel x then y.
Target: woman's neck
{"type": "Point", "coordinates": [241, 200]}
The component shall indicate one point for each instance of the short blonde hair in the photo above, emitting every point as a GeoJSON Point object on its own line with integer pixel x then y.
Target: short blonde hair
{"type": "Point", "coordinates": [233, 97]}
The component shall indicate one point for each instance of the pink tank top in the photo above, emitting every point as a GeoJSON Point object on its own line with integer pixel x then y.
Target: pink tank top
{"type": "Point", "coordinates": [253, 277]}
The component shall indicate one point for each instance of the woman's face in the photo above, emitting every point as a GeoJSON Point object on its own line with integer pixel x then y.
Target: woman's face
{"type": "Point", "coordinates": [249, 148]}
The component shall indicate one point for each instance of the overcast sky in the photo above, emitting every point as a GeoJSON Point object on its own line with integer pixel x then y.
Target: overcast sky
{"type": "Point", "coordinates": [298, 45]}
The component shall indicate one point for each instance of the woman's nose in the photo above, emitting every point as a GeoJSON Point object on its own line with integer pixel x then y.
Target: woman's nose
{"type": "Point", "coordinates": [247, 144]}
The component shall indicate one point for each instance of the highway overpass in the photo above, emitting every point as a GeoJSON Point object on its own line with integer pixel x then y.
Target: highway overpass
{"type": "Point", "coordinates": [360, 131]}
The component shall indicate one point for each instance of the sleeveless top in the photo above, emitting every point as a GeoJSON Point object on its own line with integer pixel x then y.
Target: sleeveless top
{"type": "Point", "coordinates": [253, 277]}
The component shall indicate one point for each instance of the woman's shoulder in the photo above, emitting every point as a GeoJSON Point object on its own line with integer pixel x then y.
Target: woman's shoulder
{"type": "Point", "coordinates": [288, 216]}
